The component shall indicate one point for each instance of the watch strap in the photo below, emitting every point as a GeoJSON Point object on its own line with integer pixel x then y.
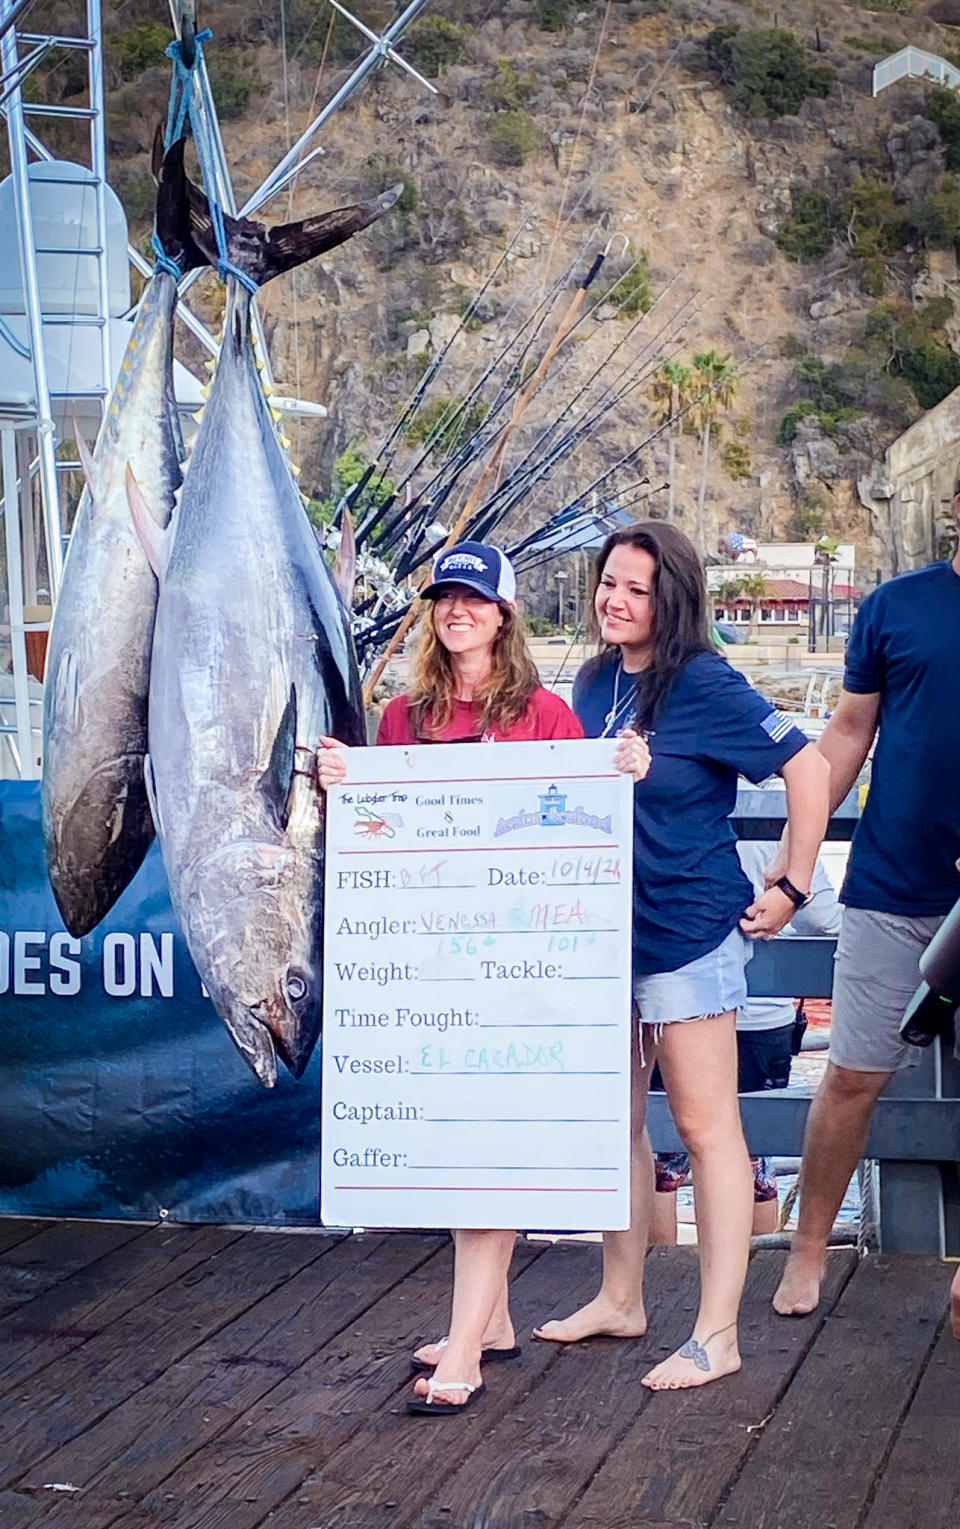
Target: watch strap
{"type": "Point", "coordinates": [787, 887]}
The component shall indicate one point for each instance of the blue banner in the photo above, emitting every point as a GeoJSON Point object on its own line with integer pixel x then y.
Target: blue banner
{"type": "Point", "coordinates": [121, 1093]}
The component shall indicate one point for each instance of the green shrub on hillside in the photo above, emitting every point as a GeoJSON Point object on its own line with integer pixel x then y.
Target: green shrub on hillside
{"type": "Point", "coordinates": [450, 431]}
{"type": "Point", "coordinates": [552, 15]}
{"type": "Point", "coordinates": [943, 108]}
{"type": "Point", "coordinates": [899, 7]}
{"type": "Point", "coordinates": [434, 43]}
{"type": "Point", "coordinates": [911, 345]}
{"type": "Point", "coordinates": [879, 45]}
{"type": "Point", "coordinates": [632, 294]}
{"type": "Point", "coordinates": [765, 73]}
{"type": "Point", "coordinates": [808, 232]}
{"type": "Point", "coordinates": [138, 47]}
{"type": "Point", "coordinates": [935, 220]}
{"type": "Point", "coordinates": [735, 456]}
{"type": "Point", "coordinates": [513, 135]}
{"type": "Point", "coordinates": [235, 80]}
{"type": "Point", "coordinates": [875, 223]}
{"type": "Point", "coordinates": [509, 90]}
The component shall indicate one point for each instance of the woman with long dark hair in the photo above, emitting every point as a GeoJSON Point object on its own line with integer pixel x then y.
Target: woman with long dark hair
{"type": "Point", "coordinates": [473, 680]}
{"type": "Point", "coordinates": [660, 675]}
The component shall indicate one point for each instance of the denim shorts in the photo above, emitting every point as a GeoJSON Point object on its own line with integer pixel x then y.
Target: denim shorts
{"type": "Point", "coordinates": [712, 984]}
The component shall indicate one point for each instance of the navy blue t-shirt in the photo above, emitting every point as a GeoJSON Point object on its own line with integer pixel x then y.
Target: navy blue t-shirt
{"type": "Point", "coordinates": [905, 645]}
{"type": "Point", "coordinates": [688, 889]}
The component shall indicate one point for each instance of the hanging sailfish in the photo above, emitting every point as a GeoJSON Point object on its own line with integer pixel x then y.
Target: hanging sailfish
{"type": "Point", "coordinates": [96, 818]}
{"type": "Point", "coordinates": [252, 661]}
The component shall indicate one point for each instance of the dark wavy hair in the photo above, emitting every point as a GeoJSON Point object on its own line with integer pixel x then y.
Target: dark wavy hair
{"type": "Point", "coordinates": [681, 626]}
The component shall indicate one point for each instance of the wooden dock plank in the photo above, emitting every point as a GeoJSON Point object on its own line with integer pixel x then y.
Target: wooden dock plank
{"type": "Point", "coordinates": [271, 1449]}
{"type": "Point", "coordinates": [920, 1480]}
{"type": "Point", "coordinates": [71, 1394]}
{"type": "Point", "coordinates": [395, 1465]}
{"type": "Point", "coordinates": [54, 1254]}
{"type": "Point", "coordinates": [548, 1421]}
{"type": "Point", "coordinates": [815, 1463]}
{"type": "Point", "coordinates": [685, 1449]}
{"type": "Point", "coordinates": [137, 1445]}
{"type": "Point", "coordinates": [70, 1313]}
{"type": "Point", "coordinates": [262, 1387]}
{"type": "Point", "coordinates": [16, 1229]}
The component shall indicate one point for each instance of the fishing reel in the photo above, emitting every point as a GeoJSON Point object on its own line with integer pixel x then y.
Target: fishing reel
{"type": "Point", "coordinates": [934, 1004]}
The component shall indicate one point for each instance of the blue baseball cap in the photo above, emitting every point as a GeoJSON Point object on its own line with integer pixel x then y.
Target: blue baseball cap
{"type": "Point", "coordinates": [477, 566]}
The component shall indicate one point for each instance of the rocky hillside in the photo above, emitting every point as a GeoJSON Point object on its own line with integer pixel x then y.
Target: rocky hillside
{"type": "Point", "coordinates": [810, 227]}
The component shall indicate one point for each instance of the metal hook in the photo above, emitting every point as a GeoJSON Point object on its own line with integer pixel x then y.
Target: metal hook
{"type": "Point", "coordinates": [626, 244]}
{"type": "Point", "coordinates": [188, 32]}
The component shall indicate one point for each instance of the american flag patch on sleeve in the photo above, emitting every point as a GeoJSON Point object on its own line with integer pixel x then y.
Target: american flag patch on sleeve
{"type": "Point", "coordinates": [777, 725]}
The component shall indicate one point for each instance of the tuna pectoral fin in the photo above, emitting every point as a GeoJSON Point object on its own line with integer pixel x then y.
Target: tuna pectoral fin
{"type": "Point", "coordinates": [85, 455]}
{"type": "Point", "coordinates": [276, 781]}
{"type": "Point", "coordinates": [263, 253]}
{"type": "Point", "coordinates": [153, 539]}
{"type": "Point", "coordinates": [345, 567]}
{"type": "Point", "coordinates": [66, 691]}
{"type": "Point", "coordinates": [150, 784]}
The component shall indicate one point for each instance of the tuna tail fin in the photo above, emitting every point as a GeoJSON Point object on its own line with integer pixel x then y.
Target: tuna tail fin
{"type": "Point", "coordinates": [345, 567]}
{"type": "Point", "coordinates": [276, 782]}
{"type": "Point", "coordinates": [173, 205]}
{"type": "Point", "coordinates": [262, 253]}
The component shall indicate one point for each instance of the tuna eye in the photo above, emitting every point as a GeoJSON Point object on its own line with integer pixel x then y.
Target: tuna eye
{"type": "Point", "coordinates": [296, 987]}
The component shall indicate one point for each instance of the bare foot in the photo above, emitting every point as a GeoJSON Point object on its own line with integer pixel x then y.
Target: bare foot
{"type": "Point", "coordinates": [955, 1306]}
{"type": "Point", "coordinates": [798, 1293]}
{"type": "Point", "coordinates": [601, 1317]}
{"type": "Point", "coordinates": [696, 1363]}
{"type": "Point", "coordinates": [453, 1365]}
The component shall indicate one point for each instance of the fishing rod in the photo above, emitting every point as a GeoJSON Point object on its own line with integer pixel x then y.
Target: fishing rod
{"type": "Point", "coordinates": [416, 398]}
{"type": "Point", "coordinates": [366, 529]}
{"type": "Point", "coordinates": [474, 443]}
{"type": "Point", "coordinates": [431, 490]}
{"type": "Point", "coordinates": [609, 397]}
{"type": "Point", "coordinates": [521, 404]}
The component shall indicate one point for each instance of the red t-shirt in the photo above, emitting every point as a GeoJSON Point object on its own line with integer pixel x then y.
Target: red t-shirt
{"type": "Point", "coordinates": [546, 716]}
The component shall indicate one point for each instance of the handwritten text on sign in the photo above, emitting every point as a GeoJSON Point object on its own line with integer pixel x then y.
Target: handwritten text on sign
{"type": "Point", "coordinates": [476, 1042]}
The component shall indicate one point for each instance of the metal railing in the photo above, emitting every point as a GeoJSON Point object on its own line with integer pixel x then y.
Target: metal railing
{"type": "Point", "coordinates": [913, 64]}
{"type": "Point", "coordinates": [915, 1133]}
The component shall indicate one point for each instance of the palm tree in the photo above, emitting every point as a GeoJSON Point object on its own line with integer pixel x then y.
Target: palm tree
{"type": "Point", "coordinates": [715, 383]}
{"type": "Point", "coordinates": [751, 587]}
{"type": "Point", "coordinates": [670, 393]}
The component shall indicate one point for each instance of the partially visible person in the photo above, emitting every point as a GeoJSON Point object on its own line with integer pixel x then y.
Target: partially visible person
{"type": "Point", "coordinates": [693, 912]}
{"type": "Point", "coordinates": [766, 1029]}
{"type": "Point", "coordinates": [473, 680]}
{"type": "Point", "coordinates": [902, 687]}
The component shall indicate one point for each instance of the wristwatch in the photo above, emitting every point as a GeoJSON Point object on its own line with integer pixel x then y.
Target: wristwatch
{"type": "Point", "coordinates": [788, 889]}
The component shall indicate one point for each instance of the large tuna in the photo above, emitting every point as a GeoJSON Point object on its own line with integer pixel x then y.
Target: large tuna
{"type": "Point", "coordinates": [252, 661]}
{"type": "Point", "coordinates": [96, 818]}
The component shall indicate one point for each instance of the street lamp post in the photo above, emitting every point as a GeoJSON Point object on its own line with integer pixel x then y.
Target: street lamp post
{"type": "Point", "coordinates": [561, 575]}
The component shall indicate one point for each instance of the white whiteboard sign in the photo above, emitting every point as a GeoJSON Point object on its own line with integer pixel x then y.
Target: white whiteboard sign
{"type": "Point", "coordinates": [476, 1039]}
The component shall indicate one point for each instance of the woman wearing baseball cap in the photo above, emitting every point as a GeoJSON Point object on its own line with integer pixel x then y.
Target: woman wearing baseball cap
{"type": "Point", "coordinates": [473, 680]}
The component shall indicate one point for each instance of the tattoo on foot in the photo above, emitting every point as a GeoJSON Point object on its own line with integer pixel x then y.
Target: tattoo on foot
{"type": "Point", "coordinates": [697, 1351]}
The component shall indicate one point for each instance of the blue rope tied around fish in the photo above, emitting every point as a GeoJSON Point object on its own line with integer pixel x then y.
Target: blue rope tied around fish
{"type": "Point", "coordinates": [165, 262]}
{"type": "Point", "coordinates": [183, 106]}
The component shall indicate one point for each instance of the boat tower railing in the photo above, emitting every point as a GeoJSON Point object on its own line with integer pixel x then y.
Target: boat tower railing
{"type": "Point", "coordinates": [33, 471]}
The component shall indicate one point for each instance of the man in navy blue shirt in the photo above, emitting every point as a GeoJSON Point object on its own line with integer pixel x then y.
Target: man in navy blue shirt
{"type": "Point", "coordinates": [902, 685]}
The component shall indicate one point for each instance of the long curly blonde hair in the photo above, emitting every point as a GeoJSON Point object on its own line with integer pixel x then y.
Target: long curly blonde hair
{"type": "Point", "coordinates": [504, 695]}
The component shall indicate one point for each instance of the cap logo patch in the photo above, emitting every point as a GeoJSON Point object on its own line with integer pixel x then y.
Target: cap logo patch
{"type": "Point", "coordinates": [463, 560]}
